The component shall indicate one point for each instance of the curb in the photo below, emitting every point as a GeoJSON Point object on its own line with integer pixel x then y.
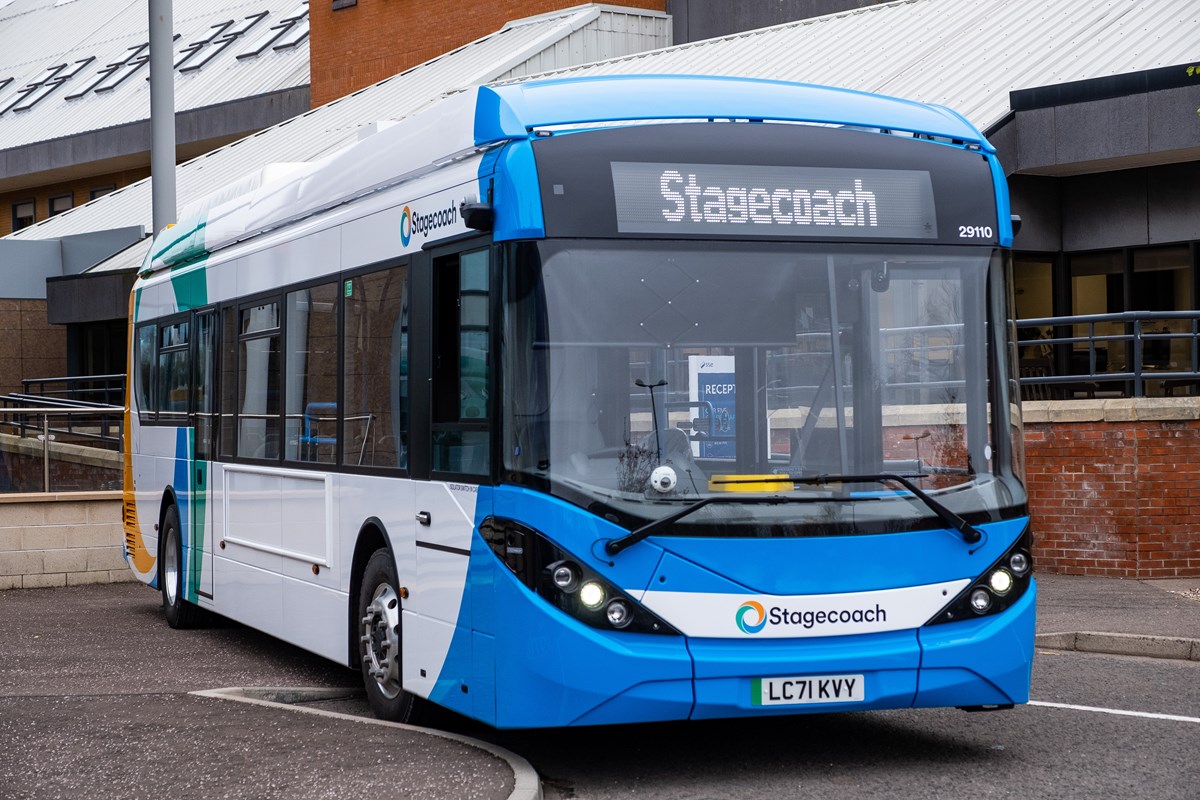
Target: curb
{"type": "Point", "coordinates": [526, 783]}
{"type": "Point", "coordinates": [1122, 644]}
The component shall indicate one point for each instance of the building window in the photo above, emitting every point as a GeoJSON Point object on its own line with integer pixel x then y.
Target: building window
{"type": "Point", "coordinates": [62, 203]}
{"type": "Point", "coordinates": [100, 191]}
{"type": "Point", "coordinates": [23, 214]}
{"type": "Point", "coordinates": [339, 4]}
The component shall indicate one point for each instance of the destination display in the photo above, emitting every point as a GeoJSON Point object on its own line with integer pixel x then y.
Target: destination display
{"type": "Point", "coordinates": [775, 201]}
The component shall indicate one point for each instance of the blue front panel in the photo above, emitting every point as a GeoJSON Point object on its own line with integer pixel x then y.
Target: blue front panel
{"type": "Point", "coordinates": [553, 671]}
{"type": "Point", "coordinates": [835, 564]}
{"type": "Point", "coordinates": [985, 661]}
{"type": "Point", "coordinates": [516, 196]}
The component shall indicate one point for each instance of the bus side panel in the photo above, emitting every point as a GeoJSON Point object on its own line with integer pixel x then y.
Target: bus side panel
{"type": "Point", "coordinates": [437, 620]}
{"type": "Point", "coordinates": [153, 475]}
{"type": "Point", "coordinates": [279, 568]}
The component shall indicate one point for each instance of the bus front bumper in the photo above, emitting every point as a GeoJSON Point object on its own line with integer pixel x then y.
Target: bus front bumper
{"type": "Point", "coordinates": [614, 678]}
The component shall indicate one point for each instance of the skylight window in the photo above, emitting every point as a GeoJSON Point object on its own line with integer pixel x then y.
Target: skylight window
{"type": "Point", "coordinates": [219, 37]}
{"type": "Point", "coordinates": [53, 77]}
{"type": "Point", "coordinates": [113, 74]}
{"type": "Point", "coordinates": [290, 31]}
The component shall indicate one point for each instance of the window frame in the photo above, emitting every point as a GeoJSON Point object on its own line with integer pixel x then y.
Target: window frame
{"type": "Point", "coordinates": [406, 262]}
{"type": "Point", "coordinates": [70, 198]}
{"type": "Point", "coordinates": [425, 294]}
{"type": "Point", "coordinates": [240, 305]}
{"type": "Point", "coordinates": [32, 203]}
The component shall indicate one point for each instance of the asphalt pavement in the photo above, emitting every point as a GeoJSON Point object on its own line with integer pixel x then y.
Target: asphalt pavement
{"type": "Point", "coordinates": [98, 698]}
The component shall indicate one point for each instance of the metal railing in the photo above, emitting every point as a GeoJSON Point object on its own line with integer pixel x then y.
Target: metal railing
{"type": "Point", "coordinates": [1128, 354]}
{"type": "Point", "coordinates": [84, 436]}
{"type": "Point", "coordinates": [106, 389]}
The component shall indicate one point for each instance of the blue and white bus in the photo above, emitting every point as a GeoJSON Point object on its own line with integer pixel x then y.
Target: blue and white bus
{"type": "Point", "coordinates": [601, 400]}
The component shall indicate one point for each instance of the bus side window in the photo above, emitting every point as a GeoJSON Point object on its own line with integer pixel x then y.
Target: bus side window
{"type": "Point", "coordinates": [174, 378]}
{"type": "Point", "coordinates": [228, 381]}
{"type": "Point", "coordinates": [310, 396]}
{"type": "Point", "coordinates": [375, 328]}
{"type": "Point", "coordinates": [259, 371]}
{"type": "Point", "coordinates": [147, 336]}
{"type": "Point", "coordinates": [461, 364]}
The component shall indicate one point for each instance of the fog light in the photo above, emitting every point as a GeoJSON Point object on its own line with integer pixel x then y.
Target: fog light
{"type": "Point", "coordinates": [981, 601]}
{"type": "Point", "coordinates": [619, 614]}
{"type": "Point", "coordinates": [565, 577]}
{"type": "Point", "coordinates": [591, 594]}
{"type": "Point", "coordinates": [1001, 581]}
{"type": "Point", "coordinates": [1019, 563]}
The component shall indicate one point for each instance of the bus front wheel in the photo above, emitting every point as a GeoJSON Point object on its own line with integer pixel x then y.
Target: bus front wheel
{"type": "Point", "coordinates": [379, 641]}
{"type": "Point", "coordinates": [179, 612]}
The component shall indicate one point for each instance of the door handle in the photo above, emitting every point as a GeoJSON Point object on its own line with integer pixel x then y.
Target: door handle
{"type": "Point", "coordinates": [425, 518]}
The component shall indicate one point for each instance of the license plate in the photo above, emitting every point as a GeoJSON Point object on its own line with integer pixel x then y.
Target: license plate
{"type": "Point", "coordinates": [807, 689]}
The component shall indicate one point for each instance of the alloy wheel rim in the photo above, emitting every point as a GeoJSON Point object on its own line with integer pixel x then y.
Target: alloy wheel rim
{"type": "Point", "coordinates": [380, 638]}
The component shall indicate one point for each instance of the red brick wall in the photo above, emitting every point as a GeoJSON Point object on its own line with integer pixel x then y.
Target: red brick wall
{"type": "Point", "coordinates": [1116, 498]}
{"type": "Point", "coordinates": [360, 45]}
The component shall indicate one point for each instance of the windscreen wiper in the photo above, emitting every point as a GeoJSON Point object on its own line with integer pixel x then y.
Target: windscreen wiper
{"type": "Point", "coordinates": [969, 533]}
{"type": "Point", "coordinates": [614, 546]}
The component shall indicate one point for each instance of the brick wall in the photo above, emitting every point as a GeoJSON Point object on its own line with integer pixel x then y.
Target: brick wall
{"type": "Point", "coordinates": [61, 540]}
{"type": "Point", "coordinates": [1115, 486]}
{"type": "Point", "coordinates": [30, 347]}
{"type": "Point", "coordinates": [362, 44]}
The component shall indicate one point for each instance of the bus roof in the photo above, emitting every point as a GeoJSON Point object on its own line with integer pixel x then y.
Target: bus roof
{"type": "Point", "coordinates": [514, 110]}
{"type": "Point", "coordinates": [416, 145]}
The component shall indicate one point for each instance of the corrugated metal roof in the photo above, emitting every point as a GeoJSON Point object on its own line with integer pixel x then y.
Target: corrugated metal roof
{"type": "Point", "coordinates": [324, 129]}
{"type": "Point", "coordinates": [965, 54]}
{"type": "Point", "coordinates": [110, 31]}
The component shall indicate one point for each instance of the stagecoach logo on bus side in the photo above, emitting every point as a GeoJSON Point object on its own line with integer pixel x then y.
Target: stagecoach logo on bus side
{"type": "Point", "coordinates": [749, 609]}
{"type": "Point", "coordinates": [414, 222]}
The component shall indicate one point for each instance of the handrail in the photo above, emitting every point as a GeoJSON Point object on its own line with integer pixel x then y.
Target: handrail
{"type": "Point", "coordinates": [25, 420]}
{"type": "Point", "coordinates": [1117, 362]}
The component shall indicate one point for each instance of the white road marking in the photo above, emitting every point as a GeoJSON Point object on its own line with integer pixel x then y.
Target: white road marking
{"type": "Point", "coordinates": [1117, 711]}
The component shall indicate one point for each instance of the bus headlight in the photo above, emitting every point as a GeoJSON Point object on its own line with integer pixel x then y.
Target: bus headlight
{"type": "Point", "coordinates": [591, 594]}
{"type": "Point", "coordinates": [981, 601]}
{"type": "Point", "coordinates": [565, 576]}
{"type": "Point", "coordinates": [618, 613]}
{"type": "Point", "coordinates": [1000, 581]}
{"type": "Point", "coordinates": [566, 582]}
{"type": "Point", "coordinates": [998, 587]}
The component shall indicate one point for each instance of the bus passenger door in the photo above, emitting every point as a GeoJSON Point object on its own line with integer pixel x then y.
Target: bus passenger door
{"type": "Point", "coordinates": [203, 424]}
{"type": "Point", "coordinates": [445, 656]}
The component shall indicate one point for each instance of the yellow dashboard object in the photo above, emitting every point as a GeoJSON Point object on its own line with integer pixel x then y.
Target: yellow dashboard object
{"type": "Point", "coordinates": [749, 483]}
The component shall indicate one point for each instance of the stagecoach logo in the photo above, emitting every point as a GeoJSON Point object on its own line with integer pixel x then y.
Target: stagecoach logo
{"type": "Point", "coordinates": [406, 226]}
{"type": "Point", "coordinates": [753, 610]}
{"type": "Point", "coordinates": [413, 222]}
{"type": "Point", "coordinates": [752, 617]}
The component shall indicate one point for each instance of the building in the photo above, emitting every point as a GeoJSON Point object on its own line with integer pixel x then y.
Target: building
{"type": "Point", "coordinates": [74, 127]}
{"type": "Point", "coordinates": [92, 305]}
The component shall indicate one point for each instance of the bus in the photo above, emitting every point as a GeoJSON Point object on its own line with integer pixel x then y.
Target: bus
{"type": "Point", "coordinates": [601, 400]}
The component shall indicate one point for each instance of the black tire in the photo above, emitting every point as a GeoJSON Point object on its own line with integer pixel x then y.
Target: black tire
{"type": "Point", "coordinates": [379, 643]}
{"type": "Point", "coordinates": [178, 611]}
